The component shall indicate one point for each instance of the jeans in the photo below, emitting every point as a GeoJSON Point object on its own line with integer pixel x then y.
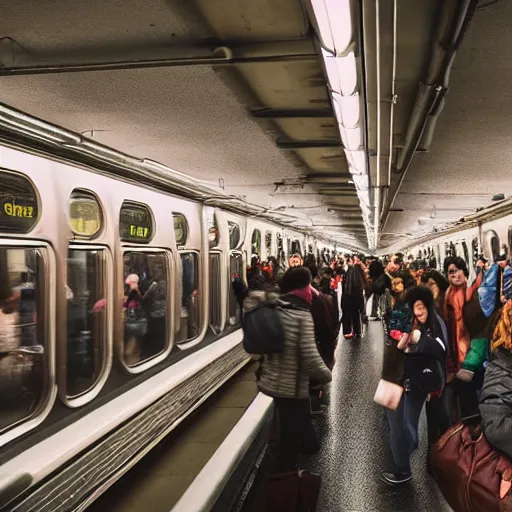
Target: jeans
{"type": "Point", "coordinates": [296, 433]}
{"type": "Point", "coordinates": [403, 426]}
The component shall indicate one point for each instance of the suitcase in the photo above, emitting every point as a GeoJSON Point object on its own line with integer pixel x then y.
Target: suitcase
{"type": "Point", "coordinates": [472, 476]}
{"type": "Point", "coordinates": [296, 491]}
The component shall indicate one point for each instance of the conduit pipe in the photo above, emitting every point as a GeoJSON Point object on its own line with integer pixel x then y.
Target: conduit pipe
{"type": "Point", "coordinates": [393, 94]}
{"type": "Point", "coordinates": [377, 195]}
{"type": "Point", "coordinates": [455, 19]}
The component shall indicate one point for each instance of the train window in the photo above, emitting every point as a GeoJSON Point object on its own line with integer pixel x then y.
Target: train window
{"type": "Point", "coordinates": [234, 235]}
{"type": "Point", "coordinates": [236, 269]}
{"type": "Point", "coordinates": [268, 243]}
{"type": "Point", "coordinates": [180, 229]}
{"type": "Point", "coordinates": [256, 242]}
{"type": "Point", "coordinates": [495, 247]}
{"type": "Point", "coordinates": [474, 248]}
{"type": "Point", "coordinates": [510, 240]}
{"type": "Point", "coordinates": [24, 340]}
{"type": "Point", "coordinates": [85, 218]}
{"type": "Point", "coordinates": [135, 223]}
{"type": "Point", "coordinates": [87, 329]}
{"type": "Point", "coordinates": [465, 251]}
{"type": "Point", "coordinates": [190, 318]}
{"type": "Point", "coordinates": [145, 305]}
{"type": "Point", "coordinates": [296, 247]}
{"type": "Point", "coordinates": [215, 292]}
{"type": "Point", "coordinates": [19, 208]}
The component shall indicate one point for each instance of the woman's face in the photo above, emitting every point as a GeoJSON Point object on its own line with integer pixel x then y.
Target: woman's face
{"type": "Point", "coordinates": [456, 276]}
{"type": "Point", "coordinates": [420, 311]}
{"type": "Point", "coordinates": [397, 285]}
{"type": "Point", "coordinates": [434, 288]}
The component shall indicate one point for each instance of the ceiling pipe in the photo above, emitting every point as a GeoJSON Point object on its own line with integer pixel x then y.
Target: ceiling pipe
{"type": "Point", "coordinates": [377, 190]}
{"type": "Point", "coordinates": [452, 27]}
{"type": "Point", "coordinates": [393, 95]}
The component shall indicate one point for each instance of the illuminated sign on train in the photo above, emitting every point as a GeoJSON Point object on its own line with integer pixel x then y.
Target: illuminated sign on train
{"type": "Point", "coordinates": [18, 203]}
{"type": "Point", "coordinates": [135, 222]}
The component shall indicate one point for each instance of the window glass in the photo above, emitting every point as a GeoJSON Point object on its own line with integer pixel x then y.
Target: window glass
{"type": "Point", "coordinates": [190, 304]}
{"type": "Point", "coordinates": [234, 235]}
{"type": "Point", "coordinates": [22, 334]}
{"type": "Point", "coordinates": [510, 240]}
{"type": "Point", "coordinates": [465, 250]}
{"type": "Point", "coordinates": [474, 247]}
{"type": "Point", "coordinates": [85, 217]}
{"type": "Point", "coordinates": [215, 292]}
{"type": "Point", "coordinates": [268, 243]}
{"type": "Point", "coordinates": [256, 242]}
{"type": "Point", "coordinates": [180, 229]}
{"type": "Point", "coordinates": [145, 306]}
{"type": "Point", "coordinates": [135, 223]}
{"type": "Point", "coordinates": [495, 247]}
{"type": "Point", "coordinates": [86, 318]}
{"type": "Point", "coordinates": [235, 271]}
{"type": "Point", "coordinates": [296, 248]}
{"type": "Point", "coordinates": [19, 208]}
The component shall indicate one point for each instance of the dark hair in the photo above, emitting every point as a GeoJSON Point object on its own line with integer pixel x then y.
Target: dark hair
{"type": "Point", "coordinates": [424, 294]}
{"type": "Point", "coordinates": [376, 269]}
{"type": "Point", "coordinates": [295, 278]}
{"type": "Point", "coordinates": [339, 270]}
{"type": "Point", "coordinates": [313, 269]}
{"type": "Point", "coordinates": [399, 258]}
{"type": "Point", "coordinates": [436, 276]}
{"type": "Point", "coordinates": [458, 262]}
{"type": "Point", "coordinates": [405, 276]}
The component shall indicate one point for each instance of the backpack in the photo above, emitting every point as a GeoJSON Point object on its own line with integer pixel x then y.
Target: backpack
{"type": "Point", "coordinates": [263, 328]}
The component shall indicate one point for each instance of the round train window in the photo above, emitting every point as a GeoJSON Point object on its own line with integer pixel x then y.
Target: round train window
{"type": "Point", "coordinates": [19, 208]}
{"type": "Point", "coordinates": [85, 219]}
{"type": "Point", "coordinates": [180, 229]}
{"type": "Point", "coordinates": [135, 222]}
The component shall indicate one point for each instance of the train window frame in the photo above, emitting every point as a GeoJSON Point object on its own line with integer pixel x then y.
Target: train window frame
{"type": "Point", "coordinates": [203, 316]}
{"type": "Point", "coordinates": [234, 247]}
{"type": "Point", "coordinates": [221, 310]}
{"type": "Point", "coordinates": [465, 252]}
{"type": "Point", "coordinates": [179, 215]}
{"type": "Point", "coordinates": [509, 240]}
{"type": "Point", "coordinates": [258, 252]}
{"type": "Point", "coordinates": [86, 193]}
{"type": "Point", "coordinates": [49, 306]}
{"type": "Point", "coordinates": [242, 256]}
{"type": "Point", "coordinates": [268, 244]}
{"type": "Point", "coordinates": [90, 394]}
{"type": "Point", "coordinates": [170, 328]}
{"type": "Point", "coordinates": [130, 202]}
{"type": "Point", "coordinates": [37, 195]}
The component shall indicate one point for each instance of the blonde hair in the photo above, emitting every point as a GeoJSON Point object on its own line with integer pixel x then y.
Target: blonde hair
{"type": "Point", "coordinates": [502, 334]}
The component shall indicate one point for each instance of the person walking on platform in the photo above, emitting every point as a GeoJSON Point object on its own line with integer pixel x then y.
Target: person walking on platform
{"type": "Point", "coordinates": [352, 300]}
{"type": "Point", "coordinates": [424, 352]}
{"type": "Point", "coordinates": [285, 376]}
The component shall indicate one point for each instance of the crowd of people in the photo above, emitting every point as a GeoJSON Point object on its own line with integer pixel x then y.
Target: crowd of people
{"type": "Point", "coordinates": [448, 344]}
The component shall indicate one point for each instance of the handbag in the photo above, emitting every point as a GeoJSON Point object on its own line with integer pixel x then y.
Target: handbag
{"type": "Point", "coordinates": [388, 394]}
{"type": "Point", "coordinates": [297, 491]}
{"type": "Point", "coordinates": [472, 476]}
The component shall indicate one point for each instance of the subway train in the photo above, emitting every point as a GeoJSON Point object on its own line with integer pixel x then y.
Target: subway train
{"type": "Point", "coordinates": [117, 320]}
{"type": "Point", "coordinates": [487, 233]}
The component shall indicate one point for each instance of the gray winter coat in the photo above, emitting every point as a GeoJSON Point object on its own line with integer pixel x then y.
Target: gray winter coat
{"type": "Point", "coordinates": [288, 374]}
{"type": "Point", "coordinates": [496, 402]}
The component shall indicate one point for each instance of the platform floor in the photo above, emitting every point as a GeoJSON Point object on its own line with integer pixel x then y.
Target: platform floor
{"type": "Point", "coordinates": [355, 440]}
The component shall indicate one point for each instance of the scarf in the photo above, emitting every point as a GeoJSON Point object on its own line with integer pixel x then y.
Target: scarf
{"type": "Point", "coordinates": [455, 300]}
{"type": "Point", "coordinates": [304, 293]}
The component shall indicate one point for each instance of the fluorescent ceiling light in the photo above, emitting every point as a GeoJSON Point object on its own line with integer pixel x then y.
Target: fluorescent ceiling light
{"type": "Point", "coordinates": [347, 109]}
{"type": "Point", "coordinates": [352, 138]}
{"type": "Point", "coordinates": [357, 161]}
{"type": "Point", "coordinates": [341, 73]}
{"type": "Point", "coordinates": [334, 23]}
{"type": "Point", "coordinates": [361, 182]}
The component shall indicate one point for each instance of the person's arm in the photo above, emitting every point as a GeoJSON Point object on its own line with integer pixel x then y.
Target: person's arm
{"type": "Point", "coordinates": [474, 359]}
{"type": "Point", "coordinates": [310, 360]}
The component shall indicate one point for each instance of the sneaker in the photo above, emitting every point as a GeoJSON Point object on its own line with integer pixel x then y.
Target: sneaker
{"type": "Point", "coordinates": [396, 479]}
{"type": "Point", "coordinates": [348, 336]}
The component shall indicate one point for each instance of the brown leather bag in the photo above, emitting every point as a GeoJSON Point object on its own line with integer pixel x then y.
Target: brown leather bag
{"type": "Point", "coordinates": [470, 473]}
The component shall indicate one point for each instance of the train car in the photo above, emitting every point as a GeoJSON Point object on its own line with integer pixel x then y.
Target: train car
{"type": "Point", "coordinates": [117, 320]}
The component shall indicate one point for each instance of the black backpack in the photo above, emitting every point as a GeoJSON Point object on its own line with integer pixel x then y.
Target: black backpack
{"type": "Point", "coordinates": [263, 329]}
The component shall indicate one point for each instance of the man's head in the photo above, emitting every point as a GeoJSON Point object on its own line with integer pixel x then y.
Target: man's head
{"type": "Point", "coordinates": [456, 270]}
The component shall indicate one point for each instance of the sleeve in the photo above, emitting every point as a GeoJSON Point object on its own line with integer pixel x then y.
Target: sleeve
{"type": "Point", "coordinates": [311, 362]}
{"type": "Point", "coordinates": [476, 355]}
{"type": "Point", "coordinates": [380, 284]}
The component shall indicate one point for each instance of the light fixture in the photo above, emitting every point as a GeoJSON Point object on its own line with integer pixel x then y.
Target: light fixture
{"type": "Point", "coordinates": [341, 73]}
{"type": "Point", "coordinates": [352, 138]}
{"type": "Point", "coordinates": [357, 161]}
{"type": "Point", "coordinates": [347, 109]}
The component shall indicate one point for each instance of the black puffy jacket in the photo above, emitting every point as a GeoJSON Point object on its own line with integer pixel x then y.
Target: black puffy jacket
{"type": "Point", "coordinates": [496, 402]}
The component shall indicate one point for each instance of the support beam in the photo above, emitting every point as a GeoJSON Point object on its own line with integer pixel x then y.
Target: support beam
{"type": "Point", "coordinates": [291, 113]}
{"type": "Point", "coordinates": [282, 143]}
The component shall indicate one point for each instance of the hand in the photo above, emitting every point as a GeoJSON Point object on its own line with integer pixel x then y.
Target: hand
{"type": "Point", "coordinates": [134, 285]}
{"type": "Point", "coordinates": [404, 341]}
{"type": "Point", "coordinates": [464, 375]}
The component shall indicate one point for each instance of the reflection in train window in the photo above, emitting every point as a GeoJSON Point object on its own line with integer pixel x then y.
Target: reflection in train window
{"type": "Point", "coordinates": [268, 244]}
{"type": "Point", "coordinates": [236, 270]}
{"type": "Point", "coordinates": [22, 335]}
{"type": "Point", "coordinates": [145, 305]}
{"type": "Point", "coordinates": [215, 292]}
{"type": "Point", "coordinates": [510, 241]}
{"type": "Point", "coordinates": [19, 209]}
{"type": "Point", "coordinates": [180, 229]}
{"type": "Point", "coordinates": [256, 242]}
{"type": "Point", "coordinates": [234, 235]}
{"type": "Point", "coordinates": [190, 318]}
{"type": "Point", "coordinates": [135, 223]}
{"type": "Point", "coordinates": [474, 248]}
{"type": "Point", "coordinates": [86, 318]}
{"type": "Point", "coordinates": [466, 253]}
{"type": "Point", "coordinates": [85, 217]}
{"type": "Point", "coordinates": [296, 248]}
{"type": "Point", "coordinates": [495, 247]}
